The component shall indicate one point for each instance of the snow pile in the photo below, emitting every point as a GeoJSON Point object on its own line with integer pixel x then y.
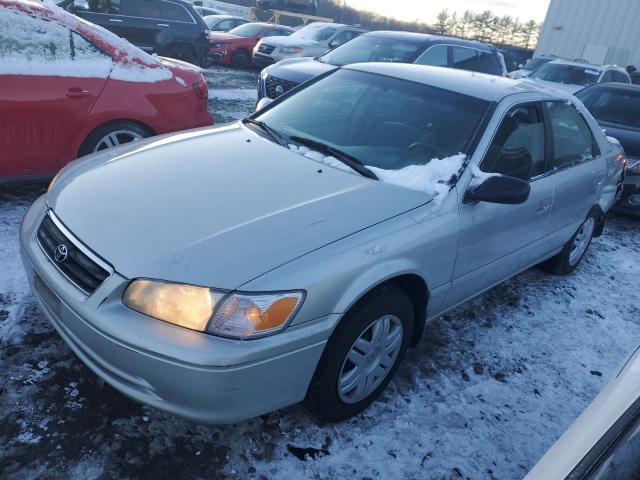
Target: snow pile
{"type": "Point", "coordinates": [37, 39]}
{"type": "Point", "coordinates": [478, 177]}
{"type": "Point", "coordinates": [319, 157]}
{"type": "Point", "coordinates": [432, 178]}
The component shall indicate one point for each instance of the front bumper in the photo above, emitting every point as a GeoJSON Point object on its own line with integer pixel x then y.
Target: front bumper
{"type": "Point", "coordinates": [630, 198]}
{"type": "Point", "coordinates": [191, 374]}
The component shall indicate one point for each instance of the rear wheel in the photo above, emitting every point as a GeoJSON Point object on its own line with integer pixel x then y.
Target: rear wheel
{"type": "Point", "coordinates": [112, 135]}
{"type": "Point", "coordinates": [184, 53]}
{"type": "Point", "coordinates": [574, 250]}
{"type": "Point", "coordinates": [240, 59]}
{"type": "Point", "coordinates": [362, 355]}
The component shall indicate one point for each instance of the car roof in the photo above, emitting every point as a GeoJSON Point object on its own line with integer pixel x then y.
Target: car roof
{"type": "Point", "coordinates": [268, 25]}
{"type": "Point", "coordinates": [224, 17]}
{"type": "Point", "coordinates": [480, 85]}
{"type": "Point", "coordinates": [630, 87]}
{"type": "Point", "coordinates": [579, 64]}
{"type": "Point", "coordinates": [428, 38]}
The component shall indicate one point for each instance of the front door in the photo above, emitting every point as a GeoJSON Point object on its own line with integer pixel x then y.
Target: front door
{"type": "Point", "coordinates": [497, 241]}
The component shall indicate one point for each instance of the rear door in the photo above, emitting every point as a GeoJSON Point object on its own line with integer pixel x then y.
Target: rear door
{"type": "Point", "coordinates": [498, 241]}
{"type": "Point", "coordinates": [51, 78]}
{"type": "Point", "coordinates": [579, 167]}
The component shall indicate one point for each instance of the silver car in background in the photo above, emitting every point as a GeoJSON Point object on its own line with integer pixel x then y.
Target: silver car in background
{"type": "Point", "coordinates": [302, 258]}
{"type": "Point", "coordinates": [572, 77]}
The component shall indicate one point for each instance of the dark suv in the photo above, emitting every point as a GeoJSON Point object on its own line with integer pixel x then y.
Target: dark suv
{"type": "Point", "coordinates": [167, 27]}
{"type": "Point", "coordinates": [401, 47]}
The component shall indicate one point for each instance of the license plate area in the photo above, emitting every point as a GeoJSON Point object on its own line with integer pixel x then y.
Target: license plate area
{"type": "Point", "coordinates": [47, 295]}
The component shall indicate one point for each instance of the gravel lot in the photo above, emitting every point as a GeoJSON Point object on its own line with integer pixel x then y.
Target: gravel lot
{"type": "Point", "coordinates": [489, 389]}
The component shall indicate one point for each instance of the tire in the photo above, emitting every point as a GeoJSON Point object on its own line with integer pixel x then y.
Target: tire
{"type": "Point", "coordinates": [324, 398]}
{"type": "Point", "coordinates": [179, 52]}
{"type": "Point", "coordinates": [240, 58]}
{"type": "Point", "coordinates": [575, 249]}
{"type": "Point", "coordinates": [113, 134]}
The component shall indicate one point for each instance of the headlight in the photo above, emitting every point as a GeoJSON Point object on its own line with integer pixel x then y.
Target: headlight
{"type": "Point", "coordinates": [236, 315]}
{"type": "Point", "coordinates": [219, 45]}
{"type": "Point", "coordinates": [247, 315]}
{"type": "Point", "coordinates": [291, 49]}
{"type": "Point", "coordinates": [633, 166]}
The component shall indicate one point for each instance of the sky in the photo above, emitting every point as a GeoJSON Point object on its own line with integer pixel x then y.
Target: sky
{"type": "Point", "coordinates": [427, 10]}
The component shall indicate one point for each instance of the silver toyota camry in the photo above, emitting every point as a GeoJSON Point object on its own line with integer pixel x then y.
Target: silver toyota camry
{"type": "Point", "coordinates": [222, 273]}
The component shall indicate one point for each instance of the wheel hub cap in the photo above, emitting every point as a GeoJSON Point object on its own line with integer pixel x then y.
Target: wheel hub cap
{"type": "Point", "coordinates": [119, 137]}
{"type": "Point", "coordinates": [581, 241]}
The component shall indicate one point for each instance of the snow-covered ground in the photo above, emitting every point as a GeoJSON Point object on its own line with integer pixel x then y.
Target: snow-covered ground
{"type": "Point", "coordinates": [489, 389]}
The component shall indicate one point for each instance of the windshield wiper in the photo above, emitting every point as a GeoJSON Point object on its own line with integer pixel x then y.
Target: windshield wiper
{"type": "Point", "coordinates": [279, 139]}
{"type": "Point", "coordinates": [344, 157]}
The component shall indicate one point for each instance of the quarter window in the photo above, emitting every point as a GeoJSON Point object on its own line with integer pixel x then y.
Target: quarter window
{"type": "Point", "coordinates": [573, 142]}
{"type": "Point", "coordinates": [488, 63]}
{"type": "Point", "coordinates": [156, 10]}
{"type": "Point", "coordinates": [436, 56]}
{"type": "Point", "coordinates": [464, 58]}
{"type": "Point", "coordinates": [518, 149]}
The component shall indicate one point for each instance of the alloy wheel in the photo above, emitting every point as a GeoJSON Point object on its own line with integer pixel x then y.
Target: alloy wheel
{"type": "Point", "coordinates": [113, 139]}
{"type": "Point", "coordinates": [581, 241]}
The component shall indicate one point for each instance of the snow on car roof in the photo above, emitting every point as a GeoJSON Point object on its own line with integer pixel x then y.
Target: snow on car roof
{"type": "Point", "coordinates": [132, 64]}
{"type": "Point", "coordinates": [480, 85]}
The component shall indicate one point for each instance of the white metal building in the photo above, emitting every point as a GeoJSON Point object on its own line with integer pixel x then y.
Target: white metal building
{"type": "Point", "coordinates": [600, 31]}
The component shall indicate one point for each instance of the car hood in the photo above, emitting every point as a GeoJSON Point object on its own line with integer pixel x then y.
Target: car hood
{"type": "Point", "coordinates": [628, 138]}
{"type": "Point", "coordinates": [517, 74]}
{"type": "Point", "coordinates": [290, 41]}
{"type": "Point", "coordinates": [299, 70]}
{"type": "Point", "coordinates": [215, 206]}
{"type": "Point", "coordinates": [565, 87]}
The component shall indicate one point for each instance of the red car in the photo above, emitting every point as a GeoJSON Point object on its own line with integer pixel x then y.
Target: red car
{"type": "Point", "coordinates": [235, 46]}
{"type": "Point", "coordinates": [70, 88]}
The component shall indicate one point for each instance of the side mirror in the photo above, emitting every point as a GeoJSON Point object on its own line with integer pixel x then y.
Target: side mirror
{"type": "Point", "coordinates": [333, 44]}
{"type": "Point", "coordinates": [500, 189]}
{"type": "Point", "coordinates": [263, 102]}
{"type": "Point", "coordinates": [79, 6]}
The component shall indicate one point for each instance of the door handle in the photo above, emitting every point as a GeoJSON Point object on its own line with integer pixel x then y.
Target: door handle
{"type": "Point", "coordinates": [543, 206]}
{"type": "Point", "coordinates": [76, 92]}
{"type": "Point", "coordinates": [115, 20]}
{"type": "Point", "coordinates": [163, 24]}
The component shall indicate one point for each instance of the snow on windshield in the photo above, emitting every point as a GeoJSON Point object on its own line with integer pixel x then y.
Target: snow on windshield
{"type": "Point", "coordinates": [37, 39]}
{"type": "Point", "coordinates": [319, 157]}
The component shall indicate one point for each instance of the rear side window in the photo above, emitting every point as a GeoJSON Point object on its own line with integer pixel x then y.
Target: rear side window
{"type": "Point", "coordinates": [105, 6]}
{"type": "Point", "coordinates": [488, 63]}
{"type": "Point", "coordinates": [436, 56]}
{"type": "Point", "coordinates": [156, 10]}
{"type": "Point", "coordinates": [518, 149]}
{"type": "Point", "coordinates": [573, 142]}
{"type": "Point", "coordinates": [464, 58]}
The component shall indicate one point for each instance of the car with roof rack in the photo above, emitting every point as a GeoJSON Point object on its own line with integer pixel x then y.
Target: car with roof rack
{"type": "Point", "coordinates": [382, 46]}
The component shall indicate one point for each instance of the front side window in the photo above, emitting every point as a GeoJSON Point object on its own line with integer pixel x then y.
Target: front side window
{"type": "Point", "coordinates": [464, 58]}
{"type": "Point", "coordinates": [105, 6]}
{"type": "Point", "coordinates": [518, 148]}
{"type": "Point", "coordinates": [223, 26]}
{"type": "Point", "coordinates": [343, 37]}
{"type": "Point", "coordinates": [570, 74]}
{"type": "Point", "coordinates": [372, 48]}
{"type": "Point", "coordinates": [607, 77]}
{"type": "Point", "coordinates": [613, 106]}
{"type": "Point", "coordinates": [573, 142]}
{"type": "Point", "coordinates": [384, 122]}
{"type": "Point", "coordinates": [435, 56]}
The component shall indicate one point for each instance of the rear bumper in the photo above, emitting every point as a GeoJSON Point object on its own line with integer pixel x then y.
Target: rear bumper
{"type": "Point", "coordinates": [194, 375]}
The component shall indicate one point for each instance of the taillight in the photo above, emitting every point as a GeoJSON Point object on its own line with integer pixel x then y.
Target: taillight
{"type": "Point", "coordinates": [200, 87]}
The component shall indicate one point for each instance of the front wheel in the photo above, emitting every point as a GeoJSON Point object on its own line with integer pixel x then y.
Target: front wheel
{"type": "Point", "coordinates": [240, 59]}
{"type": "Point", "coordinates": [574, 250]}
{"type": "Point", "coordinates": [362, 355]}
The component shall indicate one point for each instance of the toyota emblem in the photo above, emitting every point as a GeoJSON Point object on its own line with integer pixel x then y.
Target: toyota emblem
{"type": "Point", "coordinates": [279, 90]}
{"type": "Point", "coordinates": [61, 253]}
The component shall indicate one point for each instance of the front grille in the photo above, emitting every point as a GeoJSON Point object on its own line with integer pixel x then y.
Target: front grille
{"type": "Point", "coordinates": [272, 84]}
{"type": "Point", "coordinates": [264, 48]}
{"type": "Point", "coordinates": [78, 267]}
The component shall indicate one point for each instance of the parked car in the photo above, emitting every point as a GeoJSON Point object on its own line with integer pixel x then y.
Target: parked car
{"type": "Point", "coordinates": [206, 11]}
{"type": "Point", "coordinates": [171, 28]}
{"type": "Point", "coordinates": [223, 23]}
{"type": "Point", "coordinates": [234, 47]}
{"type": "Point", "coordinates": [376, 197]}
{"type": "Point", "coordinates": [604, 442]}
{"type": "Point", "coordinates": [303, 6]}
{"type": "Point", "coordinates": [312, 40]}
{"type": "Point", "coordinates": [574, 76]}
{"type": "Point", "coordinates": [399, 47]}
{"type": "Point", "coordinates": [616, 107]}
{"type": "Point", "coordinates": [70, 88]}
{"type": "Point", "coordinates": [528, 68]}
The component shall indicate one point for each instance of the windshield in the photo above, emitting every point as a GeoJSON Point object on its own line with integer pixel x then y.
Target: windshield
{"type": "Point", "coordinates": [381, 121]}
{"type": "Point", "coordinates": [612, 105]}
{"type": "Point", "coordinates": [371, 48]}
{"type": "Point", "coordinates": [571, 74]}
{"type": "Point", "coordinates": [317, 32]}
{"type": "Point", "coordinates": [536, 63]}
{"type": "Point", "coordinates": [247, 30]}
